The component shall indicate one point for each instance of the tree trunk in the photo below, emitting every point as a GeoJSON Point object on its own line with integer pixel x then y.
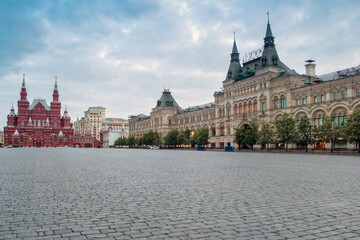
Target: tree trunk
{"type": "Point", "coordinates": [359, 146]}
{"type": "Point", "coordinates": [286, 147]}
{"type": "Point", "coordinates": [306, 148]}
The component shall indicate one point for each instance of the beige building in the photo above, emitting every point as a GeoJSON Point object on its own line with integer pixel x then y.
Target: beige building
{"type": "Point", "coordinates": [263, 87]}
{"type": "Point", "coordinates": [93, 118]}
{"type": "Point", "coordinates": [1, 138]}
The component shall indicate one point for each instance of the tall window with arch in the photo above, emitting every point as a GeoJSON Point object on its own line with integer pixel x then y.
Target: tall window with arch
{"type": "Point", "coordinates": [283, 103]}
{"type": "Point", "coordinates": [276, 103]}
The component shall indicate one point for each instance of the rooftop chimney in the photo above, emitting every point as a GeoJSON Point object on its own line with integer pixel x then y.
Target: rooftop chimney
{"type": "Point", "coordinates": [310, 68]}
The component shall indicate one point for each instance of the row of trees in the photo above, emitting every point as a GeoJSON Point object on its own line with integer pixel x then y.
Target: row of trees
{"type": "Point", "coordinates": [286, 131]}
{"type": "Point", "coordinates": [172, 139]}
{"type": "Point", "coordinates": [175, 137]}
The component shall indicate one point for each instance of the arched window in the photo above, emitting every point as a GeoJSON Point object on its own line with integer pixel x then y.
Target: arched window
{"type": "Point", "coordinates": [240, 108]}
{"type": "Point", "coordinates": [315, 99]}
{"type": "Point", "coordinates": [276, 103]}
{"type": "Point", "coordinates": [342, 95]}
{"type": "Point", "coordinates": [322, 98]}
{"type": "Point", "coordinates": [304, 101]}
{"type": "Point", "coordinates": [250, 107]}
{"type": "Point", "coordinates": [55, 123]}
{"type": "Point", "coordinates": [283, 101]}
{"type": "Point", "coordinates": [39, 123]}
{"type": "Point", "coordinates": [235, 109]}
{"type": "Point", "coordinates": [357, 93]}
{"type": "Point", "coordinates": [245, 108]}
{"type": "Point", "coordinates": [335, 96]}
{"type": "Point", "coordinates": [22, 122]}
{"type": "Point", "coordinates": [255, 106]}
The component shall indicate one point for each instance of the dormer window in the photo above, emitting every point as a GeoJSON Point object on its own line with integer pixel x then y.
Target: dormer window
{"type": "Point", "coordinates": [229, 74]}
{"type": "Point", "coordinates": [274, 59]}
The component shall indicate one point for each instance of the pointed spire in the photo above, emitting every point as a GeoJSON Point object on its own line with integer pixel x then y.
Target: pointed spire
{"type": "Point", "coordinates": [56, 86]}
{"type": "Point", "coordinates": [235, 50]}
{"type": "Point", "coordinates": [23, 83]}
{"type": "Point", "coordinates": [268, 29]}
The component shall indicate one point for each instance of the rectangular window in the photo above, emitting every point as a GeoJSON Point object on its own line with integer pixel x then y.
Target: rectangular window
{"type": "Point", "coordinates": [265, 85]}
{"type": "Point", "coordinates": [260, 86]}
{"type": "Point", "coordinates": [335, 96]}
{"type": "Point", "coordinates": [342, 95]}
{"type": "Point", "coordinates": [315, 99]}
{"type": "Point", "coordinates": [357, 92]}
{"type": "Point", "coordinates": [263, 108]}
{"type": "Point", "coordinates": [304, 101]}
{"type": "Point", "coordinates": [322, 98]}
{"type": "Point", "coordinates": [297, 102]}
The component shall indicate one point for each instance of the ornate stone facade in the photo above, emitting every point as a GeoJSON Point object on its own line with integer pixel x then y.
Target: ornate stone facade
{"type": "Point", "coordinates": [38, 124]}
{"type": "Point", "coordinates": [263, 87]}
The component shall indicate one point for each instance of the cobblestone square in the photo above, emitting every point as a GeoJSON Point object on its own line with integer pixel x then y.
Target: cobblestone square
{"type": "Point", "coordinates": [66, 193]}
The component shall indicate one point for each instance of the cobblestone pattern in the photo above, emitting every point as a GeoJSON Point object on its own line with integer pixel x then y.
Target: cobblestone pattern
{"type": "Point", "coordinates": [144, 194]}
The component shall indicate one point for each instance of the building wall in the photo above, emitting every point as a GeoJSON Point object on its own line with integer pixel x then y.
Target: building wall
{"type": "Point", "coordinates": [2, 137]}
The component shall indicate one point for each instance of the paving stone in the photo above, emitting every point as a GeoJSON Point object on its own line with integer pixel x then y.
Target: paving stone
{"type": "Point", "coordinates": [139, 194]}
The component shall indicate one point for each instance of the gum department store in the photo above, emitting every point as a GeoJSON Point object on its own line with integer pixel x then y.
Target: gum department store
{"type": "Point", "coordinates": [263, 87]}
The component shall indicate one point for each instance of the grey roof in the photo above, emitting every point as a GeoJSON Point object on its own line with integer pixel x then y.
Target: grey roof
{"type": "Point", "coordinates": [234, 67]}
{"type": "Point", "coordinates": [12, 112]}
{"type": "Point", "coordinates": [167, 100]}
{"type": "Point", "coordinates": [198, 107]}
{"type": "Point", "coordinates": [268, 31]}
{"type": "Point", "coordinates": [41, 101]}
{"type": "Point", "coordinates": [347, 72]}
{"type": "Point", "coordinates": [66, 115]}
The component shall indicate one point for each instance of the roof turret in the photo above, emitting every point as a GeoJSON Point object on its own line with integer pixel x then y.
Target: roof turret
{"type": "Point", "coordinates": [269, 56]}
{"type": "Point", "coordinates": [12, 111]}
{"type": "Point", "coordinates": [235, 66]}
{"type": "Point", "coordinates": [167, 100]}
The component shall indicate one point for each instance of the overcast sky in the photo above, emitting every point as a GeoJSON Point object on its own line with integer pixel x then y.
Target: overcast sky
{"type": "Point", "coordinates": [122, 54]}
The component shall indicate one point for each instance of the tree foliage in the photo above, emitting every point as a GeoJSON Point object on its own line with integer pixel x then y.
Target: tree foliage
{"type": "Point", "coordinates": [329, 132]}
{"type": "Point", "coordinates": [305, 136]}
{"type": "Point", "coordinates": [266, 135]}
{"type": "Point", "coordinates": [171, 138]}
{"type": "Point", "coordinates": [240, 134]}
{"type": "Point", "coordinates": [352, 128]}
{"type": "Point", "coordinates": [152, 138]}
{"type": "Point", "coordinates": [286, 130]}
{"type": "Point", "coordinates": [131, 141]}
{"type": "Point", "coordinates": [201, 137]}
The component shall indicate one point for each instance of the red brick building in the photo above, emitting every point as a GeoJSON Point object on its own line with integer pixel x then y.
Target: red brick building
{"type": "Point", "coordinates": [38, 124]}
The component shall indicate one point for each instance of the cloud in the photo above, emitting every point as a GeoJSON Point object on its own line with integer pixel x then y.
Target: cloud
{"type": "Point", "coordinates": [121, 54]}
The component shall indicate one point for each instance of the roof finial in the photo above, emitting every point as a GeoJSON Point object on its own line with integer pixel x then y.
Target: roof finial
{"type": "Point", "coordinates": [65, 108]}
{"type": "Point", "coordinates": [234, 35]}
{"type": "Point", "coordinates": [56, 79]}
{"type": "Point", "coordinates": [23, 83]}
{"type": "Point", "coordinates": [268, 16]}
{"type": "Point", "coordinates": [12, 106]}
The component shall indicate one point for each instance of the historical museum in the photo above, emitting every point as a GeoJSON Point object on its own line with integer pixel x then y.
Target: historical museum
{"type": "Point", "coordinates": [263, 87]}
{"type": "Point", "coordinates": [38, 124]}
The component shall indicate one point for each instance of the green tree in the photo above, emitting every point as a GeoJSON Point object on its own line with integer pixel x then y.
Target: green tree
{"type": "Point", "coordinates": [187, 135]}
{"type": "Point", "coordinates": [201, 137]}
{"type": "Point", "coordinates": [252, 132]}
{"type": "Point", "coordinates": [352, 128]}
{"type": "Point", "coordinates": [131, 141]}
{"type": "Point", "coordinates": [286, 130]}
{"type": "Point", "coordinates": [181, 138]}
{"type": "Point", "coordinates": [329, 132]}
{"type": "Point", "coordinates": [267, 135]}
{"type": "Point", "coordinates": [240, 134]}
{"type": "Point", "coordinates": [171, 138]}
{"type": "Point", "coordinates": [305, 132]}
{"type": "Point", "coordinates": [139, 141]}
{"type": "Point", "coordinates": [152, 138]}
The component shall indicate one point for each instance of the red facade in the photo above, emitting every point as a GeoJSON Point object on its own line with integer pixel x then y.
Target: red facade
{"type": "Point", "coordinates": [38, 124]}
